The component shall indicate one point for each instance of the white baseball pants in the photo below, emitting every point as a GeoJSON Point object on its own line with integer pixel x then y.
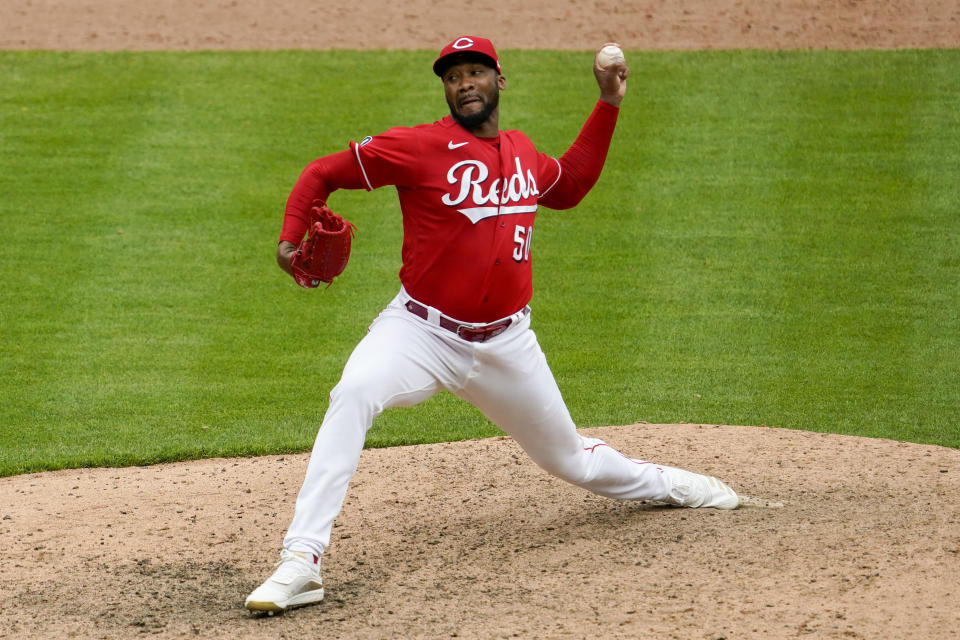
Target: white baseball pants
{"type": "Point", "coordinates": [403, 360]}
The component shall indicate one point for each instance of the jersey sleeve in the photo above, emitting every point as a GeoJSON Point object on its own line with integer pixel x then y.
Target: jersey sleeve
{"type": "Point", "coordinates": [318, 180]}
{"type": "Point", "coordinates": [550, 173]}
{"type": "Point", "coordinates": [390, 158]}
{"type": "Point", "coordinates": [581, 164]}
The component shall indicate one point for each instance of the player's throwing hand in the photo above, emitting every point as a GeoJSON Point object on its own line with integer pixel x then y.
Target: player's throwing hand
{"type": "Point", "coordinates": [611, 71]}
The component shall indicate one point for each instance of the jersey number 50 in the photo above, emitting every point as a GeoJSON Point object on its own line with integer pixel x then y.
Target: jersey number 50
{"type": "Point", "coordinates": [522, 237]}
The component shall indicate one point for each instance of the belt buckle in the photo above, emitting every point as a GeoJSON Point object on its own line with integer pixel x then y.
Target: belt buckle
{"type": "Point", "coordinates": [482, 334]}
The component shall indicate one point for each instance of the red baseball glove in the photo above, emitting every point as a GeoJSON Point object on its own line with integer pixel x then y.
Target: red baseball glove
{"type": "Point", "coordinates": [323, 255]}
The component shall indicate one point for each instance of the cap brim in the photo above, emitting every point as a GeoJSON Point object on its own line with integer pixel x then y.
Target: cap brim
{"type": "Point", "coordinates": [444, 62]}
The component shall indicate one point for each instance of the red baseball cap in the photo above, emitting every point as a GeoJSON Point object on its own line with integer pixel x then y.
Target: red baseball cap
{"type": "Point", "coordinates": [468, 45]}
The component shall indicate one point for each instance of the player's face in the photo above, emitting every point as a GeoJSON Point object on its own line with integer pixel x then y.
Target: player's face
{"type": "Point", "coordinates": [472, 90]}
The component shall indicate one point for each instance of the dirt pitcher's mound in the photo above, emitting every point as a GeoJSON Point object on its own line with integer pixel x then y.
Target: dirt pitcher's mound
{"type": "Point", "coordinates": [842, 538]}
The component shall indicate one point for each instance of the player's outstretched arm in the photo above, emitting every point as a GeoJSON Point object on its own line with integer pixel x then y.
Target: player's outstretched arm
{"type": "Point", "coordinates": [611, 74]}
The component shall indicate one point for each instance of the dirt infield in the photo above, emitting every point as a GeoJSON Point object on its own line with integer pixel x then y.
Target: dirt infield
{"type": "Point", "coordinates": [416, 24]}
{"type": "Point", "coordinates": [841, 537]}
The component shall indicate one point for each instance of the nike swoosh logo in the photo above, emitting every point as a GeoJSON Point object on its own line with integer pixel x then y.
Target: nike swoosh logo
{"type": "Point", "coordinates": [452, 146]}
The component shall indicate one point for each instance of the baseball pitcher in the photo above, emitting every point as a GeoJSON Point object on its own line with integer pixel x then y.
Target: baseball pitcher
{"type": "Point", "coordinates": [469, 195]}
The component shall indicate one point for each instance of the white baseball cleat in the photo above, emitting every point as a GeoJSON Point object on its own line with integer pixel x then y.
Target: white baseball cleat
{"type": "Point", "coordinates": [688, 489]}
{"type": "Point", "coordinates": [295, 583]}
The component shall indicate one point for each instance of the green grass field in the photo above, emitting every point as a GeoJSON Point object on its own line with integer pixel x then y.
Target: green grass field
{"type": "Point", "coordinates": [775, 240]}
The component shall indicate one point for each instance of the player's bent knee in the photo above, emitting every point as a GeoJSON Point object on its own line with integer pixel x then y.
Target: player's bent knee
{"type": "Point", "coordinates": [355, 395]}
{"type": "Point", "coordinates": [375, 393]}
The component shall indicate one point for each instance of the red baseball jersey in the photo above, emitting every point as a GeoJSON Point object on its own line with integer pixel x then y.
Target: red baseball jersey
{"type": "Point", "coordinates": [468, 205]}
{"type": "Point", "coordinates": [468, 209]}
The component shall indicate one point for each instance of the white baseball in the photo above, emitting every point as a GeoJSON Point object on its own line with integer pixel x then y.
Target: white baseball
{"type": "Point", "coordinates": [608, 55]}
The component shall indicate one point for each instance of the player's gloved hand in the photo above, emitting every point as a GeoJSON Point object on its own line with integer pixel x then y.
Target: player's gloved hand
{"type": "Point", "coordinates": [323, 255]}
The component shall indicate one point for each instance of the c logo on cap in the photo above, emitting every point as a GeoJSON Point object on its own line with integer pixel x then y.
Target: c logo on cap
{"type": "Point", "coordinates": [463, 43]}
